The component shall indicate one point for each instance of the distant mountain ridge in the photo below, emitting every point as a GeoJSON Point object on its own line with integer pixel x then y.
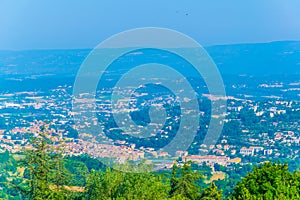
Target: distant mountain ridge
{"type": "Point", "coordinates": [273, 58]}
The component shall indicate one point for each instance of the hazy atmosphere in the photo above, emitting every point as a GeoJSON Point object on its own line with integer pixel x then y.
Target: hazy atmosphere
{"type": "Point", "coordinates": [32, 24]}
{"type": "Point", "coordinates": [149, 100]}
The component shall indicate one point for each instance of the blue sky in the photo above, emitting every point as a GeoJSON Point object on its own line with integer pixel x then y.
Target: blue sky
{"type": "Point", "coordinates": [55, 24]}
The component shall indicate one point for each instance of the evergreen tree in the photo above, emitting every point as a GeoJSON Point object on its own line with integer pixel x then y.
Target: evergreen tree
{"type": "Point", "coordinates": [60, 176]}
{"type": "Point", "coordinates": [212, 193]}
{"type": "Point", "coordinates": [38, 164]}
{"type": "Point", "coordinates": [183, 182]}
{"type": "Point", "coordinates": [46, 173]}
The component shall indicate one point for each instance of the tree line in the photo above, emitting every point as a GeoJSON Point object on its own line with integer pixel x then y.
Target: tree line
{"type": "Point", "coordinates": [48, 174]}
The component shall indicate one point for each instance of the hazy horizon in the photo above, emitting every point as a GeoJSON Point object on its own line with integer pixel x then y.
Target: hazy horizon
{"type": "Point", "coordinates": [75, 25]}
{"type": "Point", "coordinates": [205, 46]}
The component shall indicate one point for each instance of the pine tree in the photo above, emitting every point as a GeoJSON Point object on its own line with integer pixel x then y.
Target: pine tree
{"type": "Point", "coordinates": [46, 172]}
{"type": "Point", "coordinates": [212, 193]}
{"type": "Point", "coordinates": [183, 182]}
{"type": "Point", "coordinates": [38, 164]}
{"type": "Point", "coordinates": [60, 176]}
{"type": "Point", "coordinates": [173, 180]}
